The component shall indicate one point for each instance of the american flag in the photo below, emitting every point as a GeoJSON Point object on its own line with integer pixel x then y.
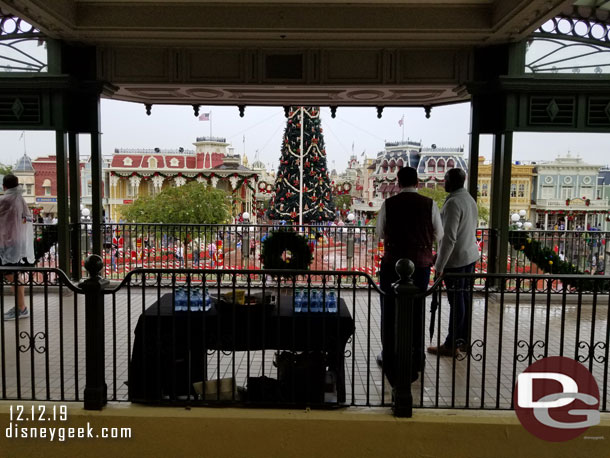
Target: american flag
{"type": "Point", "coordinates": [204, 117]}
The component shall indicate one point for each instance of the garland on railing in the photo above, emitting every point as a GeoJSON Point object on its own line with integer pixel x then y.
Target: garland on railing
{"type": "Point", "coordinates": [547, 260]}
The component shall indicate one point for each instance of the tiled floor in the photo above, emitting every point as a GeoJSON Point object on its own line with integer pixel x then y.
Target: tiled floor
{"type": "Point", "coordinates": [34, 364]}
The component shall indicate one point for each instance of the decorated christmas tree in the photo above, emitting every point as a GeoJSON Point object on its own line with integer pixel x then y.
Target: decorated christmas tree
{"type": "Point", "coordinates": [317, 197]}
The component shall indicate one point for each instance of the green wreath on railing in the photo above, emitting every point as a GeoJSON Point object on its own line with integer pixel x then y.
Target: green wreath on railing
{"type": "Point", "coordinates": [547, 260]}
{"type": "Point", "coordinates": [285, 249]}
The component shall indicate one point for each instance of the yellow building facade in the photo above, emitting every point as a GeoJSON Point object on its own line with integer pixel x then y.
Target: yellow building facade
{"type": "Point", "coordinates": [521, 187]}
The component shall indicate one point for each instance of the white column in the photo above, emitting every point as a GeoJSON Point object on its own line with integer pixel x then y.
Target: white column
{"type": "Point", "coordinates": [586, 218]}
{"type": "Point", "coordinates": [546, 221]}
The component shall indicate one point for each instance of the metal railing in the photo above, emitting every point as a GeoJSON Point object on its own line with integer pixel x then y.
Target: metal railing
{"type": "Point", "coordinates": [349, 248]}
{"type": "Point", "coordinates": [132, 342]}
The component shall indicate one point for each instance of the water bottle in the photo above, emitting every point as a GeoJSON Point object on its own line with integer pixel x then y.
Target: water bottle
{"type": "Point", "coordinates": [331, 302]}
{"type": "Point", "coordinates": [305, 304]}
{"type": "Point", "coordinates": [208, 300]}
{"type": "Point", "coordinates": [196, 301]}
{"type": "Point", "coordinates": [316, 301]}
{"type": "Point", "coordinates": [180, 300]}
{"type": "Point", "coordinates": [298, 301]}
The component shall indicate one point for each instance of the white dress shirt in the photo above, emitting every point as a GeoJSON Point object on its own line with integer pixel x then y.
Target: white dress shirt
{"type": "Point", "coordinates": [437, 224]}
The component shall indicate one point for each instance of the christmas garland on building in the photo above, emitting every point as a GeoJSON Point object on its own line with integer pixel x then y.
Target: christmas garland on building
{"type": "Point", "coordinates": [547, 260]}
{"type": "Point", "coordinates": [286, 241]}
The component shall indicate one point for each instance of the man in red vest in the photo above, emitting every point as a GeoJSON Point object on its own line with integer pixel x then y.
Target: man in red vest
{"type": "Point", "coordinates": [409, 223]}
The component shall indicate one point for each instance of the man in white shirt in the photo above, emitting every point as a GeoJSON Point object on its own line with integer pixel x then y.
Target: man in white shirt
{"type": "Point", "coordinates": [457, 253]}
{"type": "Point", "coordinates": [409, 223]}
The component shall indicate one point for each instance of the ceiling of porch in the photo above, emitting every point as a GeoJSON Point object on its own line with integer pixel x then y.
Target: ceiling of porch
{"type": "Point", "coordinates": [274, 52]}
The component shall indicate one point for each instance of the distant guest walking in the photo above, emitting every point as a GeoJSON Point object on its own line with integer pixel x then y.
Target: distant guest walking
{"type": "Point", "coordinates": [457, 253]}
{"type": "Point", "coordinates": [409, 223]}
{"type": "Point", "coordinates": [16, 238]}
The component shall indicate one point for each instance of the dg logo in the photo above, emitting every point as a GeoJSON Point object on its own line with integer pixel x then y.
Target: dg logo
{"type": "Point", "coordinates": [557, 399]}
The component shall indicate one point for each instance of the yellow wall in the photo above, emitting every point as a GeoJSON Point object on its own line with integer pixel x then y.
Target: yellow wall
{"type": "Point", "coordinates": [351, 432]}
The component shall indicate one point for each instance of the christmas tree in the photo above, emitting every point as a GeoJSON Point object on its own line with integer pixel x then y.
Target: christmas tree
{"type": "Point", "coordinates": [317, 197]}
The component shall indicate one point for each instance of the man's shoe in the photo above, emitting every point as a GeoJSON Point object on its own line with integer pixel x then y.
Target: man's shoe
{"type": "Point", "coordinates": [380, 360]}
{"type": "Point", "coordinates": [11, 315]}
{"type": "Point", "coordinates": [443, 350]}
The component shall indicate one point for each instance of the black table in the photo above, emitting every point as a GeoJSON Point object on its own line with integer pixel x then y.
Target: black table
{"type": "Point", "coordinates": [170, 348]}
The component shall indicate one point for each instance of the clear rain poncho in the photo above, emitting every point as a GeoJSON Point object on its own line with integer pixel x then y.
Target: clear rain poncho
{"type": "Point", "coordinates": [16, 228]}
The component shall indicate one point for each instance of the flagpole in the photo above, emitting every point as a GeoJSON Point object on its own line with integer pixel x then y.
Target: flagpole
{"type": "Point", "coordinates": [25, 150]}
{"type": "Point", "coordinates": [301, 173]}
{"type": "Point", "coordinates": [210, 125]}
{"type": "Point", "coordinates": [403, 128]}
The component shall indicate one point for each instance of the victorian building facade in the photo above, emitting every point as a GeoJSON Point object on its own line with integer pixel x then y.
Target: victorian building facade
{"type": "Point", "coordinates": [568, 195]}
{"type": "Point", "coordinates": [139, 172]}
{"type": "Point", "coordinates": [431, 163]}
{"type": "Point", "coordinates": [521, 187]}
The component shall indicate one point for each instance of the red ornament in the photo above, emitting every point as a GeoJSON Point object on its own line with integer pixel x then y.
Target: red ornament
{"type": "Point", "coordinates": [567, 201]}
{"type": "Point", "coordinates": [588, 202]}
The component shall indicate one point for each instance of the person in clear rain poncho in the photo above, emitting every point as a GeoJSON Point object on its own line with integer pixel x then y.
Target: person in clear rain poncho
{"type": "Point", "coordinates": [16, 238]}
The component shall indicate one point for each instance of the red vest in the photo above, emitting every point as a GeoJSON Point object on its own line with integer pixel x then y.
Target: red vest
{"type": "Point", "coordinates": [409, 232]}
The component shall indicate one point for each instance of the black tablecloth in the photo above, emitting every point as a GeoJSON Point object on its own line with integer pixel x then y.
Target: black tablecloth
{"type": "Point", "coordinates": [169, 351]}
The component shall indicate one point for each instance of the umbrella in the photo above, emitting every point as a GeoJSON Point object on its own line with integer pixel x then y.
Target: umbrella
{"type": "Point", "coordinates": [433, 307]}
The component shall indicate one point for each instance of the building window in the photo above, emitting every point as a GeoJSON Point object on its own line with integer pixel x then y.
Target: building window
{"type": "Point", "coordinates": [152, 163]}
{"type": "Point", "coordinates": [127, 161]}
{"type": "Point", "coordinates": [130, 189]}
{"type": "Point", "coordinates": [513, 190]}
{"type": "Point", "coordinates": [450, 164]}
{"type": "Point", "coordinates": [173, 162]}
{"type": "Point", "coordinates": [548, 192]}
{"type": "Point", "coordinates": [440, 166]}
{"type": "Point", "coordinates": [46, 185]}
{"type": "Point", "coordinates": [431, 165]}
{"type": "Point", "coordinates": [587, 192]}
{"type": "Point", "coordinates": [521, 192]}
{"type": "Point", "coordinates": [484, 190]}
{"type": "Point", "coordinates": [566, 192]}
{"type": "Point", "coordinates": [28, 189]}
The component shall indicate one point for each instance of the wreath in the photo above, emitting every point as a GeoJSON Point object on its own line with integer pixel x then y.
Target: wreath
{"type": "Point", "coordinates": [285, 249]}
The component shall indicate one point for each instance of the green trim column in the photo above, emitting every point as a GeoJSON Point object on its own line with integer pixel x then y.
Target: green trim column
{"type": "Point", "coordinates": [473, 154]}
{"type": "Point", "coordinates": [75, 194]}
{"type": "Point", "coordinates": [97, 181]}
{"type": "Point", "coordinates": [500, 202]}
{"type": "Point", "coordinates": [63, 226]}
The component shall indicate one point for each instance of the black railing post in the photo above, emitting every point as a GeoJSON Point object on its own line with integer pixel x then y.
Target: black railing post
{"type": "Point", "coordinates": [95, 384]}
{"type": "Point", "coordinates": [405, 292]}
{"type": "Point", "coordinates": [75, 248]}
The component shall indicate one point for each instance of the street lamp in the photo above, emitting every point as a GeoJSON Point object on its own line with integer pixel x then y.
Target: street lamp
{"type": "Point", "coordinates": [518, 220]}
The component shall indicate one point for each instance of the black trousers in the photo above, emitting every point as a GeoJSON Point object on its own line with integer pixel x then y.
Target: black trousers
{"type": "Point", "coordinates": [421, 279]}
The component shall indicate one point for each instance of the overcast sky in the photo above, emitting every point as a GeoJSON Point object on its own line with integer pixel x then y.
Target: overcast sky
{"type": "Point", "coordinates": [126, 125]}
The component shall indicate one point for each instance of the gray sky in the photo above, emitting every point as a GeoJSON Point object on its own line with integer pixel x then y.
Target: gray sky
{"type": "Point", "coordinates": [126, 125]}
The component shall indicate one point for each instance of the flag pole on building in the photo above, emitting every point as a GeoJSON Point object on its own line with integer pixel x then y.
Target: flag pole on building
{"type": "Point", "coordinates": [20, 137]}
{"type": "Point", "coordinates": [401, 123]}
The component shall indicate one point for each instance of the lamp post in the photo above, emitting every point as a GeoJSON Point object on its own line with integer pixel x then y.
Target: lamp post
{"type": "Point", "coordinates": [350, 240]}
{"type": "Point", "coordinates": [85, 217]}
